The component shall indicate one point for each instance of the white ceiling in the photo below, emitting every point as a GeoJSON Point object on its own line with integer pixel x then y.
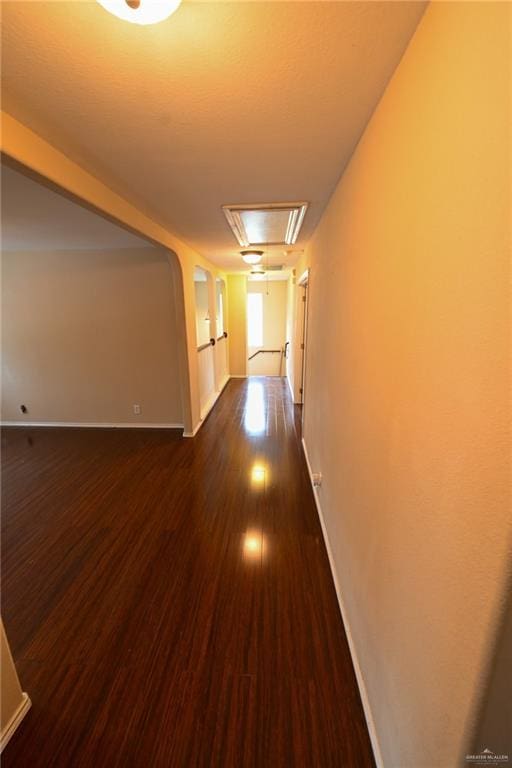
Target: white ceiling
{"type": "Point", "coordinates": [36, 219]}
{"type": "Point", "coordinates": [230, 102]}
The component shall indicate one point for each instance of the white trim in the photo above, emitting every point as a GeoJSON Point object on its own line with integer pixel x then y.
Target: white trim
{"type": "Point", "coordinates": [290, 387]}
{"type": "Point", "coordinates": [209, 407]}
{"type": "Point", "coordinates": [304, 278]}
{"type": "Point", "coordinates": [15, 721]}
{"type": "Point", "coordinates": [355, 661]}
{"type": "Point", "coordinates": [209, 404]}
{"type": "Point", "coordinates": [213, 399]}
{"type": "Point", "coordinates": [194, 431]}
{"type": "Point", "coordinates": [91, 425]}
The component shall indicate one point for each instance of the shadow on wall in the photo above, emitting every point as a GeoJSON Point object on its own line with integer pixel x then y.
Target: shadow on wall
{"type": "Point", "coordinates": [493, 728]}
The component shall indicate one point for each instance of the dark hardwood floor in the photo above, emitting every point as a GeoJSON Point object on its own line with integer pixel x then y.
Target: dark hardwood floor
{"type": "Point", "coordinates": [169, 601]}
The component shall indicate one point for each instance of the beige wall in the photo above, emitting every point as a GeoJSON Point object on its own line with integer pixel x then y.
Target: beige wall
{"type": "Point", "coordinates": [86, 335]}
{"type": "Point", "coordinates": [14, 703]}
{"type": "Point", "coordinates": [407, 412]}
{"type": "Point", "coordinates": [274, 311]}
{"type": "Point", "coordinates": [274, 327]}
{"type": "Point", "coordinates": [237, 324]}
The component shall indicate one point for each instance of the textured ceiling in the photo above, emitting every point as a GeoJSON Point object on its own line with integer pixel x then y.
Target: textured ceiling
{"type": "Point", "coordinates": [232, 102]}
{"type": "Point", "coordinates": [36, 219]}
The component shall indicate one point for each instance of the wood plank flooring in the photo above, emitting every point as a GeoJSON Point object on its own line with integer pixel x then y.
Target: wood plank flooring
{"type": "Point", "coordinates": [169, 601]}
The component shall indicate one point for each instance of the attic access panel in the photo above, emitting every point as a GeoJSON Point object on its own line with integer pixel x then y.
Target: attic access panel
{"type": "Point", "coordinates": [265, 223]}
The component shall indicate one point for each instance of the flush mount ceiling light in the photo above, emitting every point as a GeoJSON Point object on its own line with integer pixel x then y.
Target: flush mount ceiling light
{"type": "Point", "coordinates": [141, 11]}
{"type": "Point", "coordinates": [251, 257]}
{"type": "Point", "coordinates": [265, 223]}
{"type": "Point", "coordinates": [258, 271]}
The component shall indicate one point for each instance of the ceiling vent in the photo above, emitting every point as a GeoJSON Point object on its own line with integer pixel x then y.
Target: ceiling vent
{"type": "Point", "coordinates": [273, 267]}
{"type": "Point", "coordinates": [265, 223]}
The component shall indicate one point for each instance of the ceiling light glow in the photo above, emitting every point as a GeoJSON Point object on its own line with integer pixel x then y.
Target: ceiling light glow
{"type": "Point", "coordinates": [141, 11]}
{"type": "Point", "coordinates": [251, 257]}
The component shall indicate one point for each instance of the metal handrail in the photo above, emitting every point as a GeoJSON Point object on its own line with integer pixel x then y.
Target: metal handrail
{"type": "Point", "coordinates": [210, 343]}
{"type": "Point", "coordinates": [261, 351]}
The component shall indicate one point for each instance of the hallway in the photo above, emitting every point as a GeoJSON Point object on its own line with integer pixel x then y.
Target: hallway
{"type": "Point", "coordinates": [190, 581]}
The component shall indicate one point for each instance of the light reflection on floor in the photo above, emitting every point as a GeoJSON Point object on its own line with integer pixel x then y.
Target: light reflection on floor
{"type": "Point", "coordinates": [254, 546]}
{"type": "Point", "coordinates": [255, 423]}
{"type": "Point", "coordinates": [258, 476]}
{"type": "Point", "coordinates": [255, 420]}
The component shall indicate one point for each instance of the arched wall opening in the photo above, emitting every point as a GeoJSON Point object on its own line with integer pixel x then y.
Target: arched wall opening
{"type": "Point", "coordinates": [94, 320]}
{"type": "Point", "coordinates": [41, 160]}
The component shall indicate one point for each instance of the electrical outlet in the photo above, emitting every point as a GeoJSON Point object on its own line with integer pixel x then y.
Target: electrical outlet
{"type": "Point", "coordinates": [136, 409]}
{"type": "Point", "coordinates": [317, 479]}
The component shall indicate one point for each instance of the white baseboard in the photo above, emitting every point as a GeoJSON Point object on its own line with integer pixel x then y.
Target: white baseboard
{"type": "Point", "coordinates": [238, 376]}
{"type": "Point", "coordinates": [15, 721]}
{"type": "Point", "coordinates": [209, 405]}
{"type": "Point", "coordinates": [355, 661]}
{"type": "Point", "coordinates": [194, 431]}
{"type": "Point", "coordinates": [208, 408]}
{"type": "Point", "coordinates": [92, 425]}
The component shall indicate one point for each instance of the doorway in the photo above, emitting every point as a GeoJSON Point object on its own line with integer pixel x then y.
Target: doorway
{"type": "Point", "coordinates": [266, 327]}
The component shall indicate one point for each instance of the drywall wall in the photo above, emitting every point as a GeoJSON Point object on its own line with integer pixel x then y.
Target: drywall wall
{"type": "Point", "coordinates": [237, 324]}
{"type": "Point", "coordinates": [14, 702]}
{"type": "Point", "coordinates": [274, 327]}
{"type": "Point", "coordinates": [221, 362]}
{"type": "Point", "coordinates": [220, 305]}
{"type": "Point", "coordinates": [206, 367]}
{"type": "Point", "coordinates": [88, 334]}
{"type": "Point", "coordinates": [407, 413]}
{"type": "Point", "coordinates": [202, 312]}
{"type": "Point", "coordinates": [274, 311]}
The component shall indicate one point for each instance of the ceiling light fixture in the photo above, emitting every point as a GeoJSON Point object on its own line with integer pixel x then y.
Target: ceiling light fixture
{"type": "Point", "coordinates": [258, 271]}
{"type": "Point", "coordinates": [251, 257]}
{"type": "Point", "coordinates": [141, 11]}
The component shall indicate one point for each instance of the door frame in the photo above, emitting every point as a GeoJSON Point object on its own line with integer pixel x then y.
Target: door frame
{"type": "Point", "coordinates": [303, 282]}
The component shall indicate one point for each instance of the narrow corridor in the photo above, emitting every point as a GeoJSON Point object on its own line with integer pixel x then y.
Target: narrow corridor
{"type": "Point", "coordinates": [191, 584]}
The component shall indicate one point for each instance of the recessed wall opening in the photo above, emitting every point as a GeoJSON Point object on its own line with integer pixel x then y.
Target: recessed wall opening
{"type": "Point", "coordinates": [91, 326]}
